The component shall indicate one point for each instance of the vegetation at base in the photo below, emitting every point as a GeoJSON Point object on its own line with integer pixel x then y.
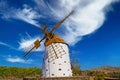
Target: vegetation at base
{"type": "Point", "coordinates": [75, 67]}
{"type": "Point", "coordinates": [18, 72]}
{"type": "Point", "coordinates": [98, 73]}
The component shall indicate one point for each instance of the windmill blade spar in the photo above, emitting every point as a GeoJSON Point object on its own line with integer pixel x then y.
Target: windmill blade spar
{"type": "Point", "coordinates": [59, 23]}
{"type": "Point", "coordinates": [28, 52]}
{"type": "Point", "coordinates": [44, 29]}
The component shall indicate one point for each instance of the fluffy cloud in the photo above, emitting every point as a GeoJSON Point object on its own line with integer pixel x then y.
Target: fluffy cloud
{"type": "Point", "coordinates": [17, 60]}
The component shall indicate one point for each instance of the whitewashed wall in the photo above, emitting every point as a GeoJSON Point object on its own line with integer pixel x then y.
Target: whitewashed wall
{"type": "Point", "coordinates": [56, 66]}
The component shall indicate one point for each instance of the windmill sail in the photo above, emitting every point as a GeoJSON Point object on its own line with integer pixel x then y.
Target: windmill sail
{"type": "Point", "coordinates": [33, 47]}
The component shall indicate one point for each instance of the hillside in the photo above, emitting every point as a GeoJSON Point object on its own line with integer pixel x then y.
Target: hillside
{"type": "Point", "coordinates": [106, 69]}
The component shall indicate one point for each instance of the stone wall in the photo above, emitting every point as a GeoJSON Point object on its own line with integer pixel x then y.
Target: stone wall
{"type": "Point", "coordinates": [62, 78]}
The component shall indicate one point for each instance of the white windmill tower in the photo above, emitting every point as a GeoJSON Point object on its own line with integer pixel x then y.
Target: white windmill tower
{"type": "Point", "coordinates": [56, 61]}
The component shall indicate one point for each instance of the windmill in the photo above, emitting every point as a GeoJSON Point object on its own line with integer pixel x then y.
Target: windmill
{"type": "Point", "coordinates": [56, 61]}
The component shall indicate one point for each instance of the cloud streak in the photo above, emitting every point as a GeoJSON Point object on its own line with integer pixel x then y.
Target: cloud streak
{"type": "Point", "coordinates": [26, 13]}
{"type": "Point", "coordinates": [7, 45]}
{"type": "Point", "coordinates": [17, 60]}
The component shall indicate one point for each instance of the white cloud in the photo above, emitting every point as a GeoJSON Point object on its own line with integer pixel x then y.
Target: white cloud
{"type": "Point", "coordinates": [17, 60]}
{"type": "Point", "coordinates": [88, 17]}
{"type": "Point", "coordinates": [26, 14]}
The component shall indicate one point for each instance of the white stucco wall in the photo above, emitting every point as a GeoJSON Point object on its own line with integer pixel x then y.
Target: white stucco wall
{"type": "Point", "coordinates": [56, 61]}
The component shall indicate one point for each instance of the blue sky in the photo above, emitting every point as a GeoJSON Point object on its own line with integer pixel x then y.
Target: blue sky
{"type": "Point", "coordinates": [92, 32]}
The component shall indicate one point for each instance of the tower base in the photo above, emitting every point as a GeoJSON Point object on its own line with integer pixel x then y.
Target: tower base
{"type": "Point", "coordinates": [62, 78]}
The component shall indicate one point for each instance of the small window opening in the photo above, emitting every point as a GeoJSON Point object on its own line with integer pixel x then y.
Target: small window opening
{"type": "Point", "coordinates": [60, 69]}
{"type": "Point", "coordinates": [52, 74]}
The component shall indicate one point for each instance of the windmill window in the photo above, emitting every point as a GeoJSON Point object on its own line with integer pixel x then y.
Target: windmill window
{"type": "Point", "coordinates": [63, 51]}
{"type": "Point", "coordinates": [64, 74]}
{"type": "Point", "coordinates": [64, 61]}
{"type": "Point", "coordinates": [68, 69]}
{"type": "Point", "coordinates": [59, 69]}
{"type": "Point", "coordinates": [55, 45]}
{"type": "Point", "coordinates": [46, 69]}
{"type": "Point", "coordinates": [52, 74]}
{"type": "Point", "coordinates": [53, 62]}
